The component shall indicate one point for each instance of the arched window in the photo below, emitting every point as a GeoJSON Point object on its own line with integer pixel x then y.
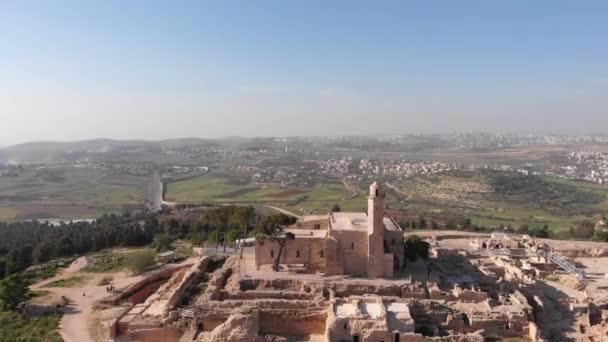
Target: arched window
{"type": "Point", "coordinates": [321, 254]}
{"type": "Point", "coordinates": [272, 253]}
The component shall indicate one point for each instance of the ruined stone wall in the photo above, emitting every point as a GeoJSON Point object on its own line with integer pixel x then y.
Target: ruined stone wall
{"type": "Point", "coordinates": [212, 321]}
{"type": "Point", "coordinates": [413, 291]}
{"type": "Point", "coordinates": [343, 329]}
{"type": "Point", "coordinates": [470, 296]}
{"type": "Point", "coordinates": [133, 289]}
{"type": "Point", "coordinates": [290, 323]}
{"type": "Point", "coordinates": [165, 334]}
{"type": "Point", "coordinates": [256, 295]}
{"type": "Point", "coordinates": [143, 294]}
{"type": "Point", "coordinates": [238, 327]}
{"type": "Point", "coordinates": [115, 323]}
{"type": "Point", "coordinates": [344, 290]}
{"type": "Point", "coordinates": [436, 294]}
{"type": "Point", "coordinates": [500, 324]}
{"type": "Point", "coordinates": [190, 278]}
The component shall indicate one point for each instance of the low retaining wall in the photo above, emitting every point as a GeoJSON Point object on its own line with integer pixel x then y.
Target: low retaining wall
{"type": "Point", "coordinates": [188, 281]}
{"type": "Point", "coordinates": [274, 323]}
{"type": "Point", "coordinates": [141, 285]}
{"type": "Point", "coordinates": [165, 334]}
{"type": "Point", "coordinates": [114, 325]}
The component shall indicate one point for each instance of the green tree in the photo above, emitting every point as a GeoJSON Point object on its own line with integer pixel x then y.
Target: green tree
{"type": "Point", "coordinates": [197, 238]}
{"type": "Point", "coordinates": [43, 252]}
{"type": "Point", "coordinates": [233, 235]}
{"type": "Point", "coordinates": [423, 223]}
{"type": "Point", "coordinates": [13, 290]}
{"type": "Point", "coordinates": [270, 228]}
{"type": "Point", "coordinates": [601, 235]}
{"type": "Point", "coordinates": [162, 242]}
{"type": "Point", "coordinates": [139, 261]}
{"type": "Point", "coordinates": [584, 230]}
{"type": "Point", "coordinates": [416, 248]}
{"type": "Point", "coordinates": [336, 208]}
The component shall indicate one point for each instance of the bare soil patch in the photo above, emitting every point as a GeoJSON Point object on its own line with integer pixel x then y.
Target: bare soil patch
{"type": "Point", "coordinates": [236, 193]}
{"type": "Point", "coordinates": [287, 193]}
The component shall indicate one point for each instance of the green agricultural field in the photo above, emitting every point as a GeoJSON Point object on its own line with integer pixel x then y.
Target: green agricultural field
{"type": "Point", "coordinates": [106, 194]}
{"type": "Point", "coordinates": [67, 193]}
{"type": "Point", "coordinates": [317, 199]}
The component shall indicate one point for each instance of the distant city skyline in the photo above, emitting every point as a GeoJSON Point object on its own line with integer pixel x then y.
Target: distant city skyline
{"type": "Point", "coordinates": [156, 70]}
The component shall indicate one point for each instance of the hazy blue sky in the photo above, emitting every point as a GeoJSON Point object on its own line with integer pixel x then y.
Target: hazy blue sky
{"type": "Point", "coordinates": [152, 69]}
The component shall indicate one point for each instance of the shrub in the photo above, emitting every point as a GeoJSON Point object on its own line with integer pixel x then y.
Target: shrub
{"type": "Point", "coordinates": [105, 281]}
{"type": "Point", "coordinates": [16, 327]}
{"type": "Point", "coordinates": [139, 261]}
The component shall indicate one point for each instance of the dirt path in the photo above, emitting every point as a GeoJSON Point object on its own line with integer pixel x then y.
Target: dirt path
{"type": "Point", "coordinates": [349, 187]}
{"type": "Point", "coordinates": [78, 317]}
{"type": "Point", "coordinates": [407, 196]}
{"type": "Point", "coordinates": [283, 211]}
{"type": "Point", "coordinates": [75, 323]}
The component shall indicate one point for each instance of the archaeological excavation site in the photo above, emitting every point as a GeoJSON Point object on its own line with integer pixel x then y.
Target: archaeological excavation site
{"type": "Point", "coordinates": [348, 277]}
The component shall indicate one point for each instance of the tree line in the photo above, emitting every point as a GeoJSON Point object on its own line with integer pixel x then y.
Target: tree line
{"type": "Point", "coordinates": [32, 242]}
{"type": "Point", "coordinates": [28, 243]}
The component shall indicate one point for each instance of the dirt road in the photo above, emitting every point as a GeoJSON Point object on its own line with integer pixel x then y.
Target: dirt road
{"type": "Point", "coordinates": [350, 188]}
{"type": "Point", "coordinates": [407, 196]}
{"type": "Point", "coordinates": [75, 323]}
{"type": "Point", "coordinates": [283, 211]}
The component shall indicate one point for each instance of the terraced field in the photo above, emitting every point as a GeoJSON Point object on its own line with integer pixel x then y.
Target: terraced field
{"type": "Point", "coordinates": [492, 201]}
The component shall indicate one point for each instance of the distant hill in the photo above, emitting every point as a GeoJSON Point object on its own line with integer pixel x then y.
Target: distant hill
{"type": "Point", "coordinates": [65, 152]}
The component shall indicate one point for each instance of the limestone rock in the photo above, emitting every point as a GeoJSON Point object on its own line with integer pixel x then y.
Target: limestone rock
{"type": "Point", "coordinates": [238, 328]}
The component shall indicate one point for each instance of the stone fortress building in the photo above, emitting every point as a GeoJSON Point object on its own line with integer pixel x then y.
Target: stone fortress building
{"type": "Point", "coordinates": [341, 243]}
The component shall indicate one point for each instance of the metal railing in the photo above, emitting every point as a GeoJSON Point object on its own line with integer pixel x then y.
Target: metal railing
{"type": "Point", "coordinates": [185, 313]}
{"type": "Point", "coordinates": [551, 256]}
{"type": "Point", "coordinates": [563, 263]}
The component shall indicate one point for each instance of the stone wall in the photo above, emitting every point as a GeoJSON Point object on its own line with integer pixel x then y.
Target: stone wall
{"type": "Point", "coordinates": [333, 259]}
{"type": "Point", "coordinates": [143, 294]}
{"type": "Point", "coordinates": [133, 289]}
{"type": "Point", "coordinates": [238, 327]}
{"type": "Point", "coordinates": [286, 323]}
{"type": "Point", "coordinates": [306, 251]}
{"type": "Point", "coordinates": [352, 246]}
{"type": "Point", "coordinates": [394, 243]}
{"type": "Point", "coordinates": [165, 334]}
{"type": "Point", "coordinates": [388, 271]}
{"type": "Point", "coordinates": [322, 223]}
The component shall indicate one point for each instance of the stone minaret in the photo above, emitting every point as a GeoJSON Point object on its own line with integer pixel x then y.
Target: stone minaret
{"type": "Point", "coordinates": [375, 231]}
